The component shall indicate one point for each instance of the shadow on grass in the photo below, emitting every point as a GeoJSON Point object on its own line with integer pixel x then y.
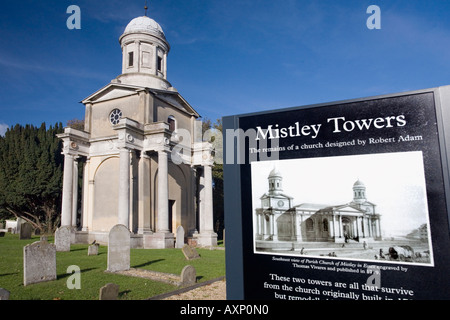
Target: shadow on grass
{"type": "Point", "coordinates": [8, 274]}
{"type": "Point", "coordinates": [87, 250]}
{"type": "Point", "coordinates": [123, 293]}
{"type": "Point", "coordinates": [65, 275]}
{"type": "Point", "coordinates": [147, 263]}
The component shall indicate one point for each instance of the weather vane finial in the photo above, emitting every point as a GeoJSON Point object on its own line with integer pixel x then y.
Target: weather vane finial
{"type": "Point", "coordinates": [145, 7]}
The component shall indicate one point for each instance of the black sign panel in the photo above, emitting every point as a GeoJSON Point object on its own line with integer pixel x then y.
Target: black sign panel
{"type": "Point", "coordinates": [339, 201]}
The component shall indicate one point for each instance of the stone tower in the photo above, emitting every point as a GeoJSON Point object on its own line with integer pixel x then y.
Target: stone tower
{"type": "Point", "coordinates": [133, 174]}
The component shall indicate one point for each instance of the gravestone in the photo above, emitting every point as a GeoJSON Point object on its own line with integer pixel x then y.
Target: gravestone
{"type": "Point", "coordinates": [39, 262]}
{"type": "Point", "coordinates": [190, 253]}
{"type": "Point", "coordinates": [4, 294]}
{"type": "Point", "coordinates": [43, 238]}
{"type": "Point", "coordinates": [180, 238]}
{"type": "Point", "coordinates": [2, 234]}
{"type": "Point", "coordinates": [19, 225]}
{"type": "Point", "coordinates": [119, 248]}
{"type": "Point", "coordinates": [25, 231]}
{"type": "Point", "coordinates": [110, 291]}
{"type": "Point", "coordinates": [2, 225]}
{"type": "Point", "coordinates": [188, 276]}
{"type": "Point", "coordinates": [93, 249]}
{"type": "Point", "coordinates": [62, 238]}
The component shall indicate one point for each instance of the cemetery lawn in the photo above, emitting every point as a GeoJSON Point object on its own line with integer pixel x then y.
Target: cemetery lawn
{"type": "Point", "coordinates": [93, 276]}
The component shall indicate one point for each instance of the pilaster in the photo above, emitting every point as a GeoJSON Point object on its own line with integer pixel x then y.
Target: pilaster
{"type": "Point", "coordinates": [67, 196]}
{"type": "Point", "coordinates": [124, 188]}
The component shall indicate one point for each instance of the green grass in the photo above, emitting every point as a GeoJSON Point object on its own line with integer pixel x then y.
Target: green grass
{"type": "Point", "coordinates": [93, 276]}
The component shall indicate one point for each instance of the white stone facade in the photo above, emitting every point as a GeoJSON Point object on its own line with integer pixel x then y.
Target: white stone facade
{"type": "Point", "coordinates": [144, 163]}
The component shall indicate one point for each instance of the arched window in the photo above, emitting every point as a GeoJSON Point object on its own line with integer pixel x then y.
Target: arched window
{"type": "Point", "coordinates": [172, 123]}
{"type": "Point", "coordinates": [325, 224]}
{"type": "Point", "coordinates": [130, 59]}
{"type": "Point", "coordinates": [309, 224]}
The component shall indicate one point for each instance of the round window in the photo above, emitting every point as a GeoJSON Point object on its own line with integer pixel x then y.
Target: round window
{"type": "Point", "coordinates": [114, 116]}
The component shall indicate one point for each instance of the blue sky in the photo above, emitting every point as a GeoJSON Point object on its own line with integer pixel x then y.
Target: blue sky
{"type": "Point", "coordinates": [227, 57]}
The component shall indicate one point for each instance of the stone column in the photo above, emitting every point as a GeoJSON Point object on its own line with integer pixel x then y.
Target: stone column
{"type": "Point", "coordinates": [163, 193]}
{"type": "Point", "coordinates": [137, 44]}
{"type": "Point", "coordinates": [272, 226]}
{"type": "Point", "coordinates": [124, 187]}
{"type": "Point", "coordinates": [67, 196]}
{"type": "Point", "coordinates": [144, 194]}
{"type": "Point", "coordinates": [207, 236]}
{"type": "Point", "coordinates": [75, 192]}
{"type": "Point", "coordinates": [85, 195]}
{"type": "Point", "coordinates": [298, 226]}
{"type": "Point", "coordinates": [165, 65]}
{"type": "Point", "coordinates": [162, 237]}
{"type": "Point", "coordinates": [257, 226]}
{"type": "Point", "coordinates": [201, 204]}
{"type": "Point", "coordinates": [208, 200]}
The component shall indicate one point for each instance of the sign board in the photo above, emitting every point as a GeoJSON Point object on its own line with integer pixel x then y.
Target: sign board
{"type": "Point", "coordinates": [344, 200]}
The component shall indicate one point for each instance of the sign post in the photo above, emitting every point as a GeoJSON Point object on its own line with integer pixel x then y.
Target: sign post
{"type": "Point", "coordinates": [344, 200]}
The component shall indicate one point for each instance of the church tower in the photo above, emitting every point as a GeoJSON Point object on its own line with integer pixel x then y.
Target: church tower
{"type": "Point", "coordinates": [144, 54]}
{"type": "Point", "coordinates": [132, 172]}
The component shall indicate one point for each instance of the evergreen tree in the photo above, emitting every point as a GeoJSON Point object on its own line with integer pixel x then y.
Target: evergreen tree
{"type": "Point", "coordinates": [31, 170]}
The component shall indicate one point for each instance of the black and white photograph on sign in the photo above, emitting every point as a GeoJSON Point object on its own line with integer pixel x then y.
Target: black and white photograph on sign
{"type": "Point", "coordinates": [359, 207]}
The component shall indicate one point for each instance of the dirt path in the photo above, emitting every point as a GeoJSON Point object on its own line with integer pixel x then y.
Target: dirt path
{"type": "Point", "coordinates": [213, 291]}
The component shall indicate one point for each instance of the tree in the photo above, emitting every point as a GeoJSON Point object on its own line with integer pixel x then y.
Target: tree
{"type": "Point", "coordinates": [31, 170]}
{"type": "Point", "coordinates": [76, 124]}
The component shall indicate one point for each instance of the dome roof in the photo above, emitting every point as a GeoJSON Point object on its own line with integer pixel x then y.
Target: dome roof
{"type": "Point", "coordinates": [274, 173]}
{"type": "Point", "coordinates": [359, 183]}
{"type": "Point", "coordinates": [144, 24]}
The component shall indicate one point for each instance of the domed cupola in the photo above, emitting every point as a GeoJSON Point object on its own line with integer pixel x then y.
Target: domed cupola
{"type": "Point", "coordinates": [144, 24]}
{"type": "Point", "coordinates": [144, 54]}
{"type": "Point", "coordinates": [275, 179]}
{"type": "Point", "coordinates": [359, 192]}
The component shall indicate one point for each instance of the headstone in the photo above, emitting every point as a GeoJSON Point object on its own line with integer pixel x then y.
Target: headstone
{"type": "Point", "coordinates": [119, 248]}
{"type": "Point", "coordinates": [188, 276]}
{"type": "Point", "coordinates": [110, 291]}
{"type": "Point", "coordinates": [2, 234]}
{"type": "Point", "coordinates": [189, 252]}
{"type": "Point", "coordinates": [25, 231]}
{"type": "Point", "coordinates": [39, 262]}
{"type": "Point", "coordinates": [2, 225]}
{"type": "Point", "coordinates": [93, 250]}
{"type": "Point", "coordinates": [180, 238]}
{"type": "Point", "coordinates": [4, 294]}
{"type": "Point", "coordinates": [62, 238]}
{"type": "Point", "coordinates": [43, 238]}
{"type": "Point", "coordinates": [19, 225]}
